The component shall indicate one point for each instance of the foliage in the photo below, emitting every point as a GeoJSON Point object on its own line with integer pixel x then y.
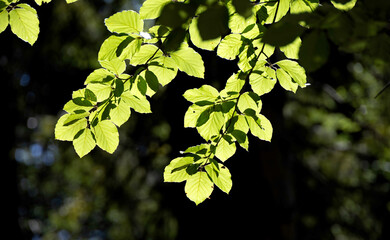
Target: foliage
{"type": "Point", "coordinates": [22, 18]}
{"type": "Point", "coordinates": [222, 118]}
{"type": "Point", "coordinates": [134, 64]}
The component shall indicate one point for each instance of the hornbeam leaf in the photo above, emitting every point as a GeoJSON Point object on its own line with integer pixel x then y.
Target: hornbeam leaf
{"type": "Point", "coordinates": [198, 187]}
{"type": "Point", "coordinates": [151, 9]}
{"type": "Point", "coordinates": [291, 50]}
{"type": "Point", "coordinates": [294, 70]}
{"type": "Point", "coordinates": [260, 126]}
{"type": "Point", "coordinates": [247, 101]}
{"type": "Point", "coordinates": [261, 83]}
{"type": "Point", "coordinates": [189, 61]}
{"type": "Point", "coordinates": [146, 53]}
{"type": "Point", "coordinates": [125, 22]}
{"type": "Point", "coordinates": [285, 80]}
{"type": "Point", "coordinates": [221, 178]}
{"type": "Point", "coordinates": [176, 171]}
{"type": "Point", "coordinates": [276, 10]}
{"type": "Point", "coordinates": [67, 132]}
{"type": "Point", "coordinates": [138, 103]}
{"type": "Point", "coordinates": [167, 72]}
{"type": "Point", "coordinates": [115, 65]}
{"type": "Point", "coordinates": [211, 124]}
{"type": "Point", "coordinates": [24, 23]}
{"type": "Point", "coordinates": [106, 134]}
{"type": "Point", "coordinates": [120, 112]}
{"type": "Point", "coordinates": [225, 149]}
{"type": "Point", "coordinates": [100, 75]}
{"type": "Point", "coordinates": [84, 142]}
{"type": "Point", "coordinates": [122, 47]}
{"type": "Point", "coordinates": [205, 93]}
{"type": "Point", "coordinates": [101, 91]}
{"type": "Point", "coordinates": [3, 20]}
{"type": "Point", "coordinates": [301, 6]}
{"type": "Point", "coordinates": [192, 115]}
{"type": "Point", "coordinates": [230, 46]}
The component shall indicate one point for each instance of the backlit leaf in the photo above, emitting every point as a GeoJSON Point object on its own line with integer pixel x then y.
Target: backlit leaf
{"type": "Point", "coordinates": [84, 142]}
{"type": "Point", "coordinates": [24, 23]}
{"type": "Point", "coordinates": [106, 134]}
{"type": "Point", "coordinates": [125, 22]}
{"type": "Point", "coordinates": [198, 187]}
{"type": "Point", "coordinates": [189, 61]}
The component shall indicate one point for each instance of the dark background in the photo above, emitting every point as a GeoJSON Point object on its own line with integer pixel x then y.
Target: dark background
{"type": "Point", "coordinates": [324, 176]}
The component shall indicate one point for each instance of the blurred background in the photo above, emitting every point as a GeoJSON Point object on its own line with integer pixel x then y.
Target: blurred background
{"type": "Point", "coordinates": [324, 176]}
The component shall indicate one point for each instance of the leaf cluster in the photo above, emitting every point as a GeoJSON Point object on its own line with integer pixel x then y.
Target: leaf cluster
{"type": "Point", "coordinates": [136, 62]}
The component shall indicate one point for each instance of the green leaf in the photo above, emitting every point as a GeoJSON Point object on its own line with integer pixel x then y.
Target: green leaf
{"type": "Point", "coordinates": [294, 70]}
{"type": "Point", "coordinates": [192, 115]}
{"type": "Point", "coordinates": [101, 91]}
{"type": "Point", "coordinates": [238, 23]}
{"type": "Point", "coordinates": [125, 22]}
{"type": "Point", "coordinates": [146, 53]}
{"type": "Point", "coordinates": [230, 46]}
{"type": "Point", "coordinates": [3, 20]}
{"type": "Point", "coordinates": [225, 148]}
{"type": "Point", "coordinates": [260, 126]}
{"type": "Point", "coordinates": [67, 132]}
{"type": "Point", "coordinates": [276, 10]}
{"type": "Point", "coordinates": [198, 187]}
{"type": "Point", "coordinates": [84, 142]}
{"type": "Point", "coordinates": [176, 171]}
{"type": "Point", "coordinates": [240, 130]}
{"type": "Point", "coordinates": [302, 6]}
{"type": "Point", "coordinates": [210, 123]}
{"type": "Point", "coordinates": [115, 65]}
{"type": "Point", "coordinates": [138, 103]}
{"type": "Point", "coordinates": [234, 84]}
{"type": "Point", "coordinates": [106, 134]}
{"type": "Point", "coordinates": [166, 72]}
{"type": "Point", "coordinates": [198, 41]}
{"type": "Point", "coordinates": [71, 1]}
{"type": "Point", "coordinates": [24, 23]}
{"type": "Point", "coordinates": [122, 47]}
{"type": "Point", "coordinates": [151, 9]}
{"type": "Point", "coordinates": [248, 100]}
{"type": "Point", "coordinates": [100, 75]}
{"type": "Point", "coordinates": [286, 81]}
{"type": "Point", "coordinates": [120, 112]}
{"type": "Point", "coordinates": [221, 178]}
{"type": "Point", "coordinates": [189, 61]}
{"type": "Point", "coordinates": [291, 50]}
{"type": "Point", "coordinates": [261, 82]}
{"type": "Point", "coordinates": [205, 93]}
{"type": "Point", "coordinates": [74, 117]}
{"type": "Point", "coordinates": [148, 82]}
{"type": "Point", "coordinates": [344, 5]}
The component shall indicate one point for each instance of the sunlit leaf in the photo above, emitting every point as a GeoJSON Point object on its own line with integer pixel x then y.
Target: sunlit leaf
{"type": "Point", "coordinates": [198, 187]}
{"type": "Point", "coordinates": [24, 23]}
{"type": "Point", "coordinates": [106, 134]}
{"type": "Point", "coordinates": [125, 22]}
